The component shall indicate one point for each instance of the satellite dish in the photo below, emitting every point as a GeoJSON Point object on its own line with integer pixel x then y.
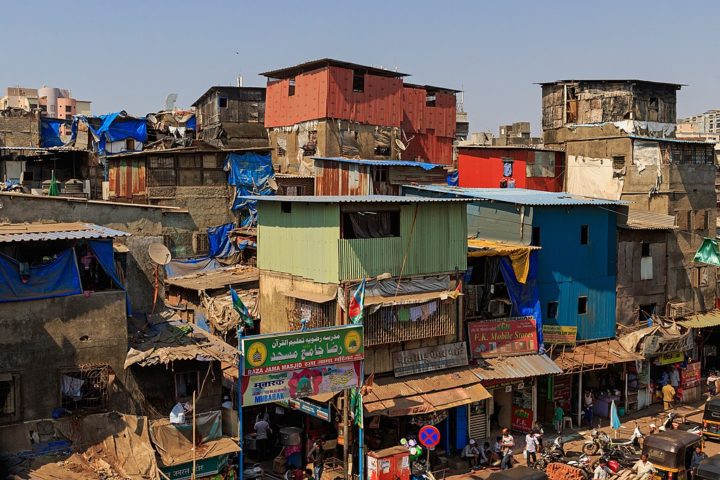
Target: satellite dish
{"type": "Point", "coordinates": [400, 145]}
{"type": "Point", "coordinates": [170, 101]}
{"type": "Point", "coordinates": [159, 254]}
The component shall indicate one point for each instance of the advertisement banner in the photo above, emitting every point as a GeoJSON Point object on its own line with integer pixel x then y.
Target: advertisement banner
{"type": "Point", "coordinates": [670, 358]}
{"type": "Point", "coordinates": [558, 335]}
{"type": "Point", "coordinates": [306, 382]}
{"type": "Point", "coordinates": [502, 336]}
{"type": "Point", "coordinates": [283, 352]}
{"type": "Point", "coordinates": [521, 419]}
{"type": "Point", "coordinates": [690, 375]}
{"type": "Point", "coordinates": [428, 359]}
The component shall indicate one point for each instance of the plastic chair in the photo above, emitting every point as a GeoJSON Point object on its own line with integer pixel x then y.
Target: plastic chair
{"type": "Point", "coordinates": [566, 421]}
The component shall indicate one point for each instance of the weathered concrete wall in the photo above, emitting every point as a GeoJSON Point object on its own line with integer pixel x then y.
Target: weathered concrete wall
{"type": "Point", "coordinates": [208, 205]}
{"type": "Point", "coordinates": [146, 224]}
{"type": "Point", "coordinates": [19, 129]}
{"type": "Point", "coordinates": [39, 338]}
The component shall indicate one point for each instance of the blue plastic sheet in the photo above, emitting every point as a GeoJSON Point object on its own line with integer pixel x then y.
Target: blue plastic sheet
{"type": "Point", "coordinates": [50, 132]}
{"type": "Point", "coordinates": [115, 126]}
{"type": "Point", "coordinates": [191, 123]}
{"type": "Point", "coordinates": [219, 241]}
{"type": "Point", "coordinates": [453, 178]}
{"type": "Point", "coordinates": [525, 297]}
{"type": "Point", "coordinates": [250, 174]}
{"type": "Point", "coordinates": [191, 266]}
{"type": "Point", "coordinates": [103, 251]}
{"type": "Point", "coordinates": [58, 278]}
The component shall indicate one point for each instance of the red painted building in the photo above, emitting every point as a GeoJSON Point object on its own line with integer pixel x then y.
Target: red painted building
{"type": "Point", "coordinates": [332, 108]}
{"type": "Point", "coordinates": [523, 167]}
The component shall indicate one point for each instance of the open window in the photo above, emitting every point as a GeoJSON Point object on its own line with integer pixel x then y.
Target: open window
{"type": "Point", "coordinates": [85, 387]}
{"type": "Point", "coordinates": [371, 224]}
{"type": "Point", "coordinates": [358, 81]}
{"type": "Point", "coordinates": [222, 102]}
{"type": "Point", "coordinates": [646, 312]}
{"type": "Point", "coordinates": [535, 238]}
{"type": "Point", "coordinates": [653, 109]}
{"type": "Point", "coordinates": [582, 305]}
{"type": "Point", "coordinates": [9, 397]}
{"type": "Point", "coordinates": [291, 87]}
{"type": "Point", "coordinates": [584, 234]}
{"type": "Point", "coordinates": [430, 99]}
{"type": "Point", "coordinates": [185, 384]}
{"type": "Point", "coordinates": [552, 310]}
{"type": "Point", "coordinates": [571, 105]}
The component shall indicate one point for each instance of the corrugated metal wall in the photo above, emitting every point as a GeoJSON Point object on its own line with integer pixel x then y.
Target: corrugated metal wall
{"type": "Point", "coordinates": [430, 148]}
{"type": "Point", "coordinates": [334, 178]}
{"type": "Point", "coordinates": [302, 242]}
{"type": "Point", "coordinates": [439, 244]}
{"type": "Point", "coordinates": [419, 118]}
{"type": "Point", "coordinates": [308, 103]}
{"type": "Point", "coordinates": [127, 178]}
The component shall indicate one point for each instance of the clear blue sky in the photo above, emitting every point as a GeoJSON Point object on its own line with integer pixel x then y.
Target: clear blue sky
{"type": "Point", "coordinates": [131, 54]}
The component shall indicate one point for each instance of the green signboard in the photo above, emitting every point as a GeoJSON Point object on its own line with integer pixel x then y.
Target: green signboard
{"type": "Point", "coordinates": [281, 352]}
{"type": "Point", "coordinates": [203, 468]}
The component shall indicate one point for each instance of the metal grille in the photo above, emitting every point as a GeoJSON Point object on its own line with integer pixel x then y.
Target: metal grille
{"type": "Point", "coordinates": [388, 324]}
{"type": "Point", "coordinates": [316, 314]}
{"type": "Point", "coordinates": [85, 387]}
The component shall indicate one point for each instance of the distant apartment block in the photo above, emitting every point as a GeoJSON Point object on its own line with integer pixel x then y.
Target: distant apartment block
{"type": "Point", "coordinates": [708, 122]}
{"type": "Point", "coordinates": [52, 102]}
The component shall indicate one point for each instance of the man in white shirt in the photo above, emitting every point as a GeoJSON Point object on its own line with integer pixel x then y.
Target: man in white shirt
{"type": "Point", "coordinates": [675, 377]}
{"type": "Point", "coordinates": [507, 443]}
{"type": "Point", "coordinates": [643, 469]}
{"type": "Point", "coordinates": [531, 447]}
{"type": "Point", "coordinates": [262, 429]}
{"type": "Point", "coordinates": [602, 472]}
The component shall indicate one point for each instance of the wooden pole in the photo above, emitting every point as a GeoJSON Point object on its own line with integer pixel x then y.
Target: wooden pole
{"type": "Point", "coordinates": [193, 439]}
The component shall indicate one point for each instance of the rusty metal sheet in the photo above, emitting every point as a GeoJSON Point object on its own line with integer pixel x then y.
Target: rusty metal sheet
{"type": "Point", "coordinates": [521, 366]}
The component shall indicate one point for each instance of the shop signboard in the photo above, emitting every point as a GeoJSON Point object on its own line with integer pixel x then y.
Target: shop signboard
{"type": "Point", "coordinates": [317, 411]}
{"type": "Point", "coordinates": [283, 352]}
{"type": "Point", "coordinates": [670, 357]}
{"type": "Point", "coordinates": [690, 375]}
{"type": "Point", "coordinates": [203, 468]}
{"type": "Point", "coordinates": [521, 419]}
{"type": "Point", "coordinates": [305, 382]}
{"type": "Point", "coordinates": [502, 336]}
{"type": "Point", "coordinates": [558, 335]}
{"type": "Point", "coordinates": [428, 359]}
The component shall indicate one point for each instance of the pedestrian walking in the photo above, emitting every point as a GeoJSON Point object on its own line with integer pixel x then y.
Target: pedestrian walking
{"type": "Point", "coordinates": [558, 418]}
{"type": "Point", "coordinates": [316, 456]}
{"type": "Point", "coordinates": [668, 394]}
{"type": "Point", "coordinates": [531, 448]}
{"type": "Point", "coordinates": [507, 444]}
{"type": "Point", "coordinates": [262, 436]}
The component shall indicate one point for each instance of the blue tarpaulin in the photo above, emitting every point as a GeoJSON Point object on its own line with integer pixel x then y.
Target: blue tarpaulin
{"type": "Point", "coordinates": [219, 241]}
{"type": "Point", "coordinates": [50, 132]}
{"type": "Point", "coordinates": [114, 127]}
{"type": "Point", "coordinates": [103, 251]}
{"type": "Point", "coordinates": [251, 174]}
{"type": "Point", "coordinates": [453, 178]}
{"type": "Point", "coordinates": [190, 266]}
{"type": "Point", "coordinates": [58, 278]}
{"type": "Point", "coordinates": [525, 297]}
{"type": "Point", "coordinates": [191, 123]}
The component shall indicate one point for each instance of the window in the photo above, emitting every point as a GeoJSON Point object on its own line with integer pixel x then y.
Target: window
{"type": "Point", "coordinates": [358, 81]}
{"type": "Point", "coordinates": [582, 305]}
{"type": "Point", "coordinates": [653, 110]}
{"type": "Point", "coordinates": [85, 388]}
{"type": "Point", "coordinates": [618, 162]}
{"type": "Point", "coordinates": [201, 244]}
{"type": "Point", "coordinates": [130, 144]}
{"type": "Point", "coordinates": [552, 310]}
{"type": "Point", "coordinates": [682, 219]}
{"type": "Point", "coordinates": [430, 100]}
{"type": "Point", "coordinates": [584, 234]}
{"type": "Point", "coordinates": [371, 224]}
{"type": "Point", "coordinates": [185, 384]}
{"type": "Point", "coordinates": [380, 174]}
{"type": "Point", "coordinates": [646, 312]}
{"type": "Point", "coordinates": [644, 249]}
{"type": "Point", "coordinates": [222, 102]}
{"type": "Point", "coordinates": [286, 207]}
{"type": "Point", "coordinates": [68, 109]}
{"type": "Point", "coordinates": [9, 396]}
{"type": "Point", "coordinates": [43, 108]}
{"type": "Point", "coordinates": [291, 87]}
{"type": "Point", "coordinates": [700, 220]}
{"type": "Point", "coordinates": [535, 238]}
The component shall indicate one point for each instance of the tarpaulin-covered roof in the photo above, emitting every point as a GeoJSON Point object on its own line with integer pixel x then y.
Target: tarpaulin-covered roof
{"type": "Point", "coordinates": [702, 320]}
{"type": "Point", "coordinates": [424, 393]}
{"type": "Point", "coordinates": [639, 220]}
{"type": "Point", "coordinates": [216, 279]}
{"type": "Point", "coordinates": [165, 339]}
{"type": "Point", "coordinates": [382, 163]}
{"type": "Point", "coordinates": [519, 254]}
{"type": "Point", "coordinates": [658, 339]}
{"type": "Point", "coordinates": [521, 366]}
{"type": "Point", "coordinates": [595, 355]}
{"type": "Point", "coordinates": [34, 232]}
{"type": "Point", "coordinates": [252, 175]}
{"type": "Point", "coordinates": [111, 128]}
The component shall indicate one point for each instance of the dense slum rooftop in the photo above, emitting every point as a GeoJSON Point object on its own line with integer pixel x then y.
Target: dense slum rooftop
{"type": "Point", "coordinates": [623, 80]}
{"type": "Point", "coordinates": [520, 196]}
{"type": "Point", "coordinates": [34, 232]}
{"type": "Point", "coordinates": [352, 199]}
{"type": "Point", "coordinates": [290, 72]}
{"type": "Point", "coordinates": [383, 163]}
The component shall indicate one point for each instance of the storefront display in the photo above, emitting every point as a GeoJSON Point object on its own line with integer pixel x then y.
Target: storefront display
{"type": "Point", "coordinates": [690, 379]}
{"type": "Point", "coordinates": [521, 418]}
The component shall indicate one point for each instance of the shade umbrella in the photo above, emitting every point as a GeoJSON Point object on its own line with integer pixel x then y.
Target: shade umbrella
{"type": "Point", "coordinates": [54, 190]}
{"type": "Point", "coordinates": [614, 418]}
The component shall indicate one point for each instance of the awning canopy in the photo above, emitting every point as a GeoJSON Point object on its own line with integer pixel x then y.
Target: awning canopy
{"type": "Point", "coordinates": [408, 299]}
{"type": "Point", "coordinates": [426, 393]}
{"type": "Point", "coordinates": [519, 254]}
{"type": "Point", "coordinates": [705, 320]}
{"type": "Point", "coordinates": [521, 366]}
{"type": "Point", "coordinates": [596, 355]}
{"type": "Point", "coordinates": [310, 296]}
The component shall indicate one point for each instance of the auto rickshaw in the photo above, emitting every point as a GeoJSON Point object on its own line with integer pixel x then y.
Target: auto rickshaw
{"type": "Point", "coordinates": [711, 418]}
{"type": "Point", "coordinates": [518, 473]}
{"type": "Point", "coordinates": [671, 452]}
{"type": "Point", "coordinates": [709, 469]}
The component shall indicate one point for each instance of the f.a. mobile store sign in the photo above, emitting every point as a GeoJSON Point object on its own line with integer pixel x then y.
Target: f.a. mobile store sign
{"type": "Point", "coordinates": [502, 336]}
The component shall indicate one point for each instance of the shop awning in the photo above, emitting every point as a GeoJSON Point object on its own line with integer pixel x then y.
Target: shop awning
{"type": "Point", "coordinates": [310, 296]}
{"type": "Point", "coordinates": [409, 299]}
{"type": "Point", "coordinates": [705, 320]}
{"type": "Point", "coordinates": [521, 366]}
{"type": "Point", "coordinates": [596, 355]}
{"type": "Point", "coordinates": [519, 254]}
{"type": "Point", "coordinates": [421, 394]}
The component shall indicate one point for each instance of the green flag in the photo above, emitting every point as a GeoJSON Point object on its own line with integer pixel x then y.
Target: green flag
{"type": "Point", "coordinates": [708, 252]}
{"type": "Point", "coordinates": [54, 190]}
{"type": "Point", "coordinates": [241, 309]}
{"type": "Point", "coordinates": [356, 406]}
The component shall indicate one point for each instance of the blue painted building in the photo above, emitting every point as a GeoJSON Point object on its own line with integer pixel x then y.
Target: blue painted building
{"type": "Point", "coordinates": [576, 262]}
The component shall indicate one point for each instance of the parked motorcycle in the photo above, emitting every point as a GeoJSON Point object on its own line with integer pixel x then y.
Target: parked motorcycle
{"type": "Point", "coordinates": [600, 442]}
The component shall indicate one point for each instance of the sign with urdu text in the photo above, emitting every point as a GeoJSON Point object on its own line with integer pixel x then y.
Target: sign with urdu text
{"type": "Point", "coordinates": [428, 359]}
{"type": "Point", "coordinates": [502, 336]}
{"type": "Point", "coordinates": [670, 358]}
{"type": "Point", "coordinates": [286, 385]}
{"type": "Point", "coordinates": [282, 352]}
{"type": "Point", "coordinates": [557, 334]}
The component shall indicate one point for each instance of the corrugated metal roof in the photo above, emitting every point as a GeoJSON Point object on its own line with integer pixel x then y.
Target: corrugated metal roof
{"type": "Point", "coordinates": [639, 220]}
{"type": "Point", "coordinates": [216, 279]}
{"type": "Point", "coordinates": [519, 196]}
{"type": "Point", "coordinates": [34, 232]}
{"type": "Point", "coordinates": [517, 367]}
{"type": "Point", "coordinates": [620, 80]}
{"type": "Point", "coordinates": [671, 140]}
{"type": "Point", "coordinates": [595, 355]}
{"type": "Point", "coordinates": [289, 72]}
{"type": "Point", "coordinates": [705, 320]}
{"type": "Point", "coordinates": [352, 199]}
{"type": "Point", "coordinates": [382, 163]}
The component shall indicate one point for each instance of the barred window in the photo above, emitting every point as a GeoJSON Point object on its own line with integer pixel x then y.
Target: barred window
{"type": "Point", "coordinates": [85, 387]}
